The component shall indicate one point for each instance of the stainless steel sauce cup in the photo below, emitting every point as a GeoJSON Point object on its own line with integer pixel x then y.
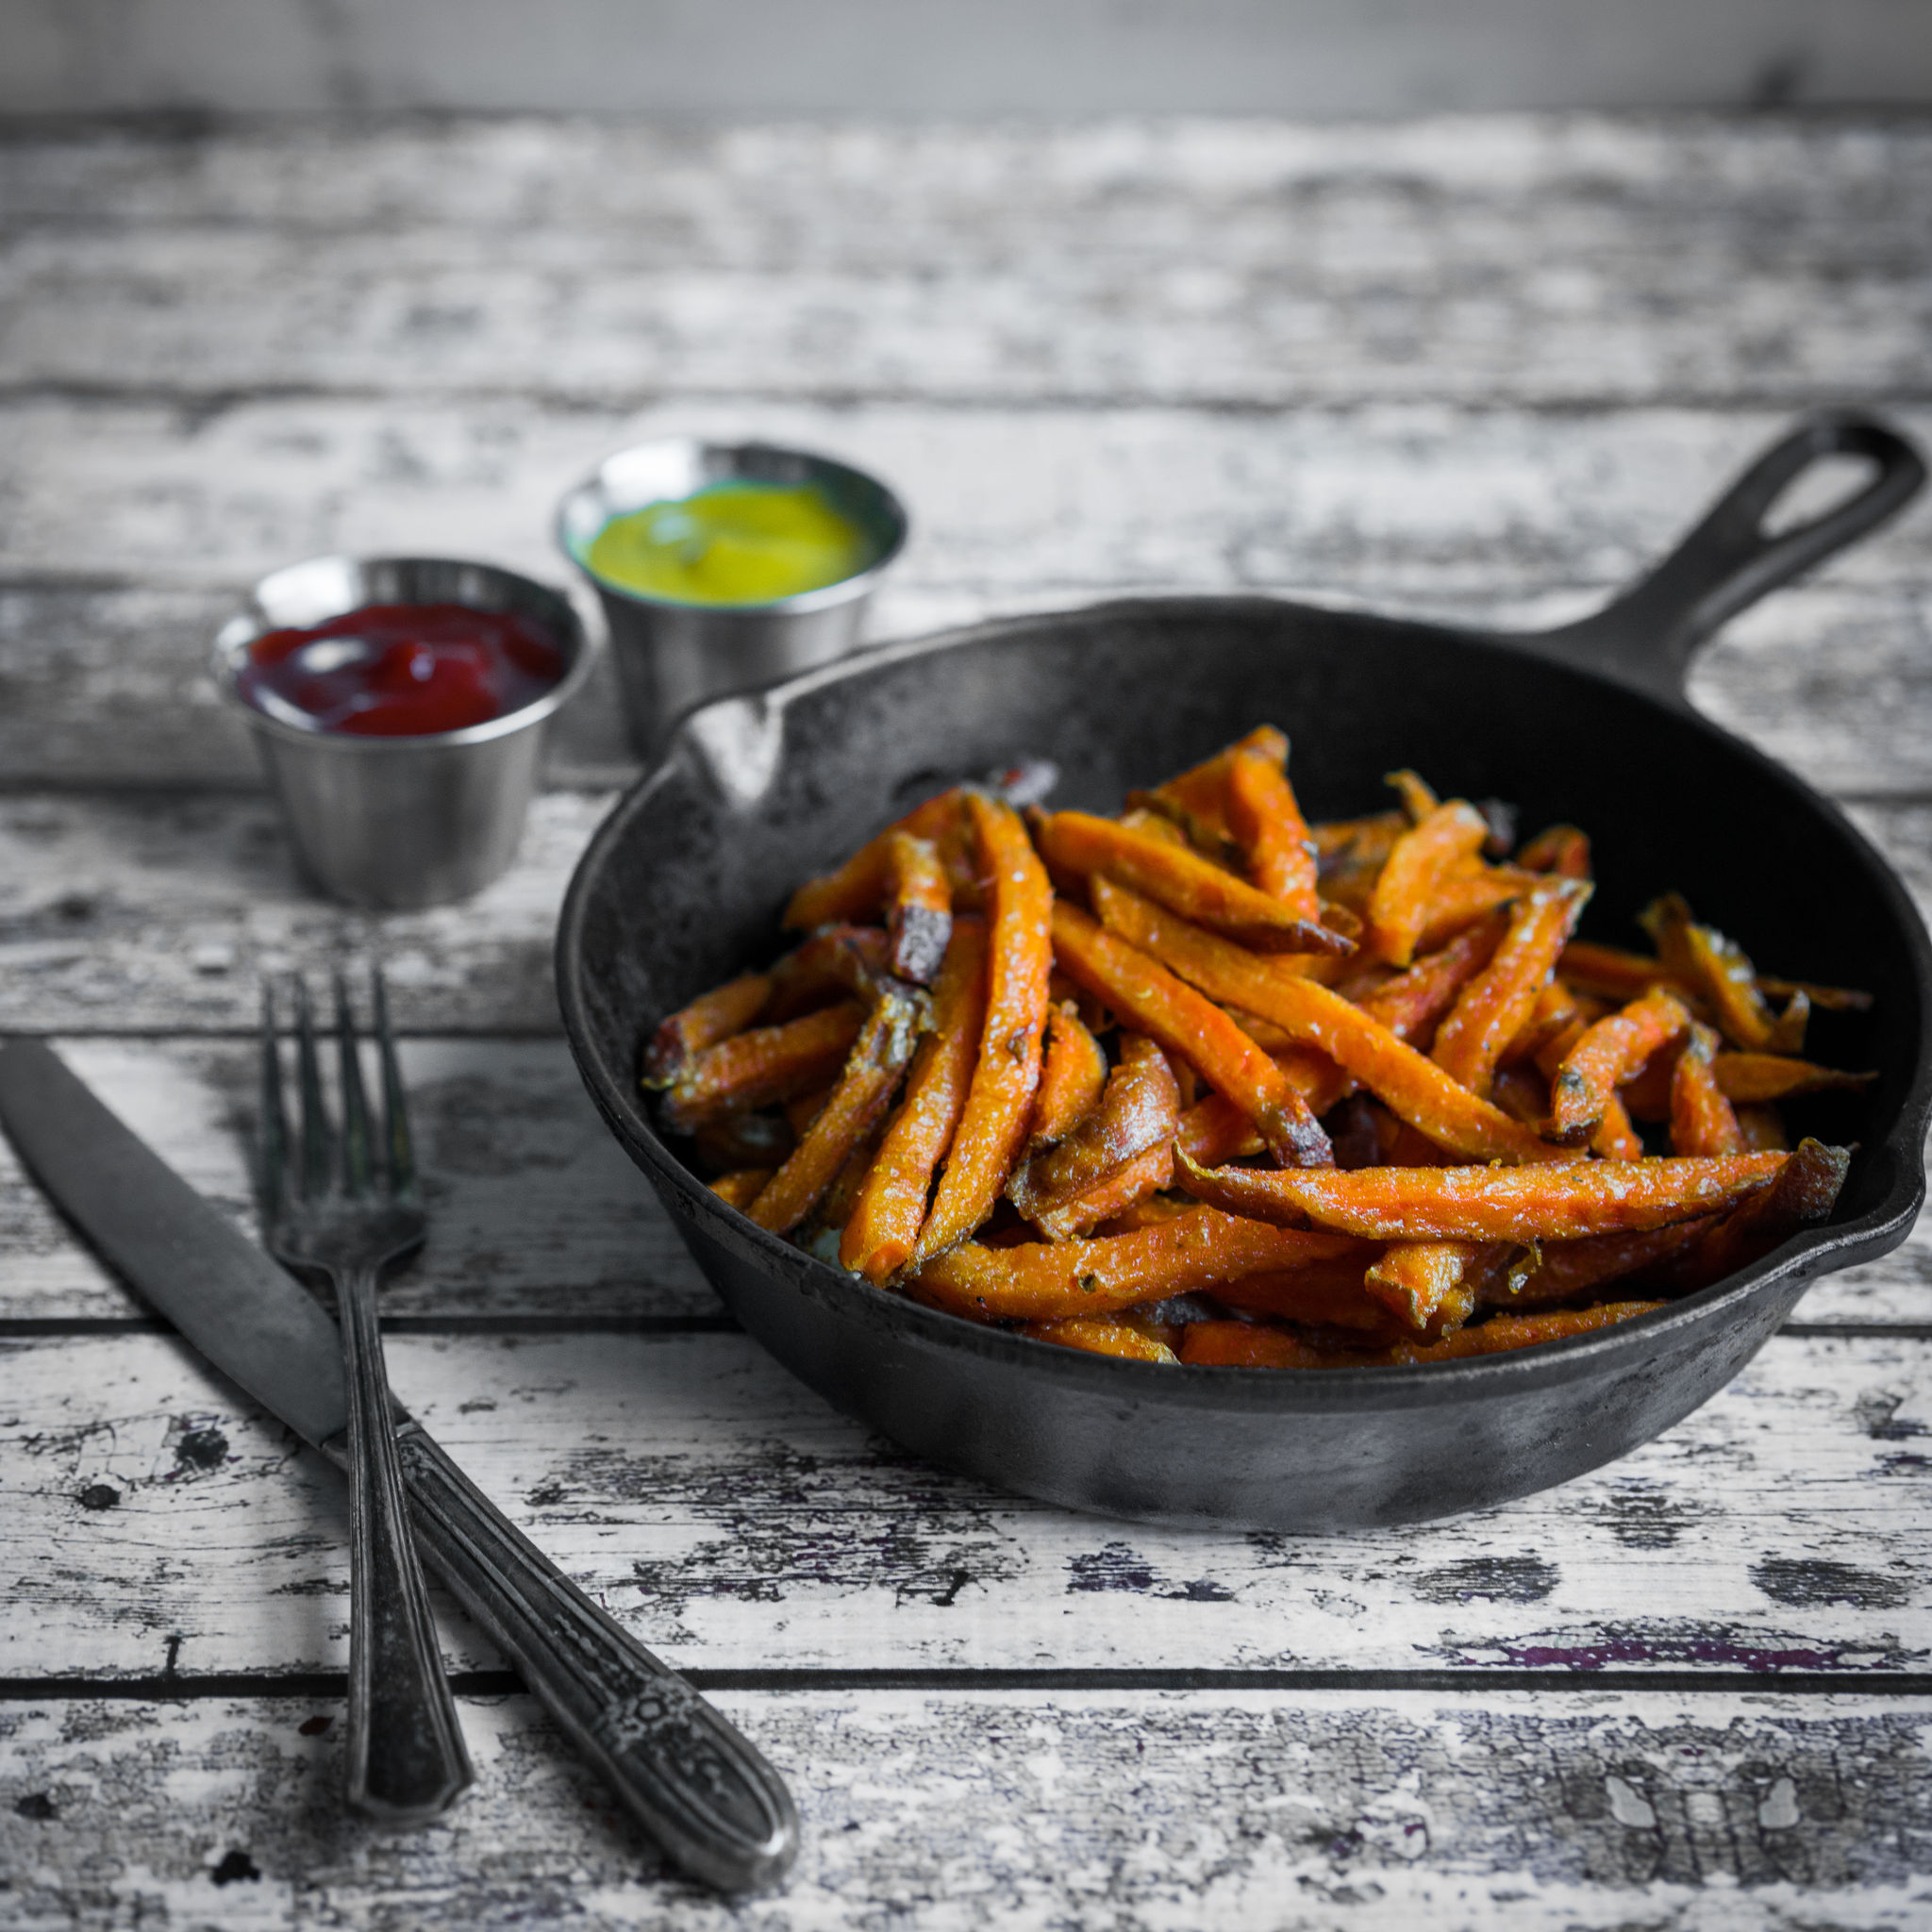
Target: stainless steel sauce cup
{"type": "Point", "coordinates": [672, 657]}
{"type": "Point", "coordinates": [399, 822]}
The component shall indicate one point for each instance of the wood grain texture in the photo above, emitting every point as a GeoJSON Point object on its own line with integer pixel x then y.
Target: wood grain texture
{"type": "Point", "coordinates": [1558, 261]}
{"type": "Point", "coordinates": [1111, 1811]}
{"type": "Point", "coordinates": [161, 1522]}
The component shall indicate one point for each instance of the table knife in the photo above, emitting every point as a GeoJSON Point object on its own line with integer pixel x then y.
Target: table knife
{"type": "Point", "coordinates": [693, 1781]}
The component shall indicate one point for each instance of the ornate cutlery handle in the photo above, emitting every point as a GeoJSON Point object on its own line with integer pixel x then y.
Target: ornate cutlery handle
{"type": "Point", "coordinates": [700, 1790]}
{"type": "Point", "coordinates": [406, 1759]}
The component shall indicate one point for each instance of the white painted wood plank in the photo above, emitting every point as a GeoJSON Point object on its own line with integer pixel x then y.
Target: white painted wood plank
{"type": "Point", "coordinates": [157, 1519]}
{"type": "Point", "coordinates": [1293, 1812]}
{"type": "Point", "coordinates": [1392, 502]}
{"type": "Point", "coordinates": [533, 1208]}
{"type": "Point", "coordinates": [1492, 259]}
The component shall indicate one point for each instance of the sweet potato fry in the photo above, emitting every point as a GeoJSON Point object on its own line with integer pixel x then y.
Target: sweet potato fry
{"type": "Point", "coordinates": [1141, 989]}
{"type": "Point", "coordinates": [1249, 1345]}
{"type": "Point", "coordinates": [1466, 895]}
{"type": "Point", "coordinates": [882, 1228]}
{"type": "Point", "coordinates": [865, 1089]}
{"type": "Point", "coordinates": [1047, 1280]}
{"type": "Point", "coordinates": [739, 1189]}
{"type": "Point", "coordinates": [1410, 1004]}
{"type": "Point", "coordinates": [1098, 1337]}
{"type": "Point", "coordinates": [1077, 843]}
{"type": "Point", "coordinates": [1268, 826]}
{"type": "Point", "coordinates": [769, 1063]}
{"type": "Point", "coordinates": [1486, 1204]}
{"type": "Point", "coordinates": [1417, 867]}
{"type": "Point", "coordinates": [1566, 1271]}
{"type": "Point", "coordinates": [1063, 1191]}
{"type": "Point", "coordinates": [709, 1018]}
{"type": "Point", "coordinates": [835, 963]}
{"type": "Point", "coordinates": [1406, 1081]}
{"type": "Point", "coordinates": [1215, 1130]}
{"type": "Point", "coordinates": [1615, 1138]}
{"type": "Point", "coordinates": [1495, 1005]}
{"type": "Point", "coordinates": [1702, 1121]}
{"type": "Point", "coordinates": [857, 889]}
{"type": "Point", "coordinates": [1501, 1333]}
{"type": "Point", "coordinates": [1328, 1294]}
{"type": "Point", "coordinates": [1365, 841]}
{"type": "Point", "coordinates": [1826, 999]}
{"type": "Point", "coordinates": [1428, 1286]}
{"type": "Point", "coordinates": [1196, 800]}
{"type": "Point", "coordinates": [921, 899]}
{"type": "Point", "coordinates": [1714, 967]}
{"type": "Point", "coordinates": [1754, 1076]}
{"type": "Point", "coordinates": [1072, 1075]}
{"type": "Point", "coordinates": [1560, 849]}
{"type": "Point", "coordinates": [1803, 1194]}
{"type": "Point", "coordinates": [834, 1207]}
{"type": "Point", "coordinates": [999, 1102]}
{"type": "Point", "coordinates": [1609, 973]}
{"type": "Point", "coordinates": [1605, 1055]}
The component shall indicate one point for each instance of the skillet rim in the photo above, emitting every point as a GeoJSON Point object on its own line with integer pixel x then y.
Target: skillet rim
{"type": "Point", "coordinates": [1812, 1253]}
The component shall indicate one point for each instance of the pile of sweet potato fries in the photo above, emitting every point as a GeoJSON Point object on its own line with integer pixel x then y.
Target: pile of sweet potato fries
{"type": "Point", "coordinates": [1205, 1083]}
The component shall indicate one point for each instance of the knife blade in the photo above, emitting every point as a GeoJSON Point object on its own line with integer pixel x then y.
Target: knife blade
{"type": "Point", "coordinates": [687, 1775]}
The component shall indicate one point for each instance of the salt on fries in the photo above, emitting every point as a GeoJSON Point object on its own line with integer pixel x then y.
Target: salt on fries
{"type": "Point", "coordinates": [1205, 1083]}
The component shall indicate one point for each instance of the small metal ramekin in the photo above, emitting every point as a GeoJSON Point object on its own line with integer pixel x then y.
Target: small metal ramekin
{"type": "Point", "coordinates": [395, 824]}
{"type": "Point", "coordinates": [672, 657]}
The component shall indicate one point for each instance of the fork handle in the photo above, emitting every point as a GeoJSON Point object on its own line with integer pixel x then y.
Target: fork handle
{"type": "Point", "coordinates": [693, 1780]}
{"type": "Point", "coordinates": [405, 1757]}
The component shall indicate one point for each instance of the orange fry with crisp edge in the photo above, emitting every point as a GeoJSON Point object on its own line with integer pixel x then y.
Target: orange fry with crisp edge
{"type": "Point", "coordinates": [1827, 999]}
{"type": "Point", "coordinates": [1047, 1280]}
{"type": "Point", "coordinates": [1062, 1191]}
{"type": "Point", "coordinates": [1566, 1271]}
{"type": "Point", "coordinates": [1329, 1293]}
{"type": "Point", "coordinates": [1072, 1075]}
{"type": "Point", "coordinates": [883, 1229]}
{"type": "Point", "coordinates": [1754, 1076]}
{"type": "Point", "coordinates": [1714, 966]}
{"type": "Point", "coordinates": [1268, 826]}
{"type": "Point", "coordinates": [1803, 1194]}
{"type": "Point", "coordinates": [1612, 973]}
{"type": "Point", "coordinates": [1141, 989]}
{"type": "Point", "coordinates": [1605, 1055]}
{"type": "Point", "coordinates": [1428, 1286]}
{"type": "Point", "coordinates": [1077, 844]}
{"type": "Point", "coordinates": [1501, 1333]}
{"type": "Point", "coordinates": [835, 961]}
{"type": "Point", "coordinates": [1487, 1204]}
{"type": "Point", "coordinates": [1412, 1003]}
{"type": "Point", "coordinates": [1468, 895]}
{"type": "Point", "coordinates": [1560, 849]}
{"type": "Point", "coordinates": [1702, 1121]}
{"type": "Point", "coordinates": [865, 1089]}
{"type": "Point", "coordinates": [1102, 1338]}
{"type": "Point", "coordinates": [1495, 1005]}
{"type": "Point", "coordinates": [999, 1102]}
{"type": "Point", "coordinates": [921, 897]}
{"type": "Point", "coordinates": [709, 1018]}
{"type": "Point", "coordinates": [857, 889]}
{"type": "Point", "coordinates": [1615, 1138]}
{"type": "Point", "coordinates": [1407, 1082]}
{"type": "Point", "coordinates": [769, 1063]}
{"type": "Point", "coordinates": [1247, 1345]}
{"type": "Point", "coordinates": [1196, 799]}
{"type": "Point", "coordinates": [739, 1189]}
{"type": "Point", "coordinates": [1417, 866]}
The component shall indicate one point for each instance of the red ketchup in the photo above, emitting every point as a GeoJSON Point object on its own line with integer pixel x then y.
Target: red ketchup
{"type": "Point", "coordinates": [401, 670]}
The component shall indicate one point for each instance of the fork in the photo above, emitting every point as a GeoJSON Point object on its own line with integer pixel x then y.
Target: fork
{"type": "Point", "coordinates": [340, 1211]}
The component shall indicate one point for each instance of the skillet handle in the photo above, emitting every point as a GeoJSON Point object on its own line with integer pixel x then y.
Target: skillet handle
{"type": "Point", "coordinates": [1647, 635]}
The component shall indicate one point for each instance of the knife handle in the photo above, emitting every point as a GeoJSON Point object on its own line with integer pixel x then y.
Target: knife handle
{"type": "Point", "coordinates": [692, 1780]}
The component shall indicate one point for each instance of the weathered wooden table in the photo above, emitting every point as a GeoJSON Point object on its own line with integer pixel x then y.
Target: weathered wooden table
{"type": "Point", "coordinates": [1480, 368]}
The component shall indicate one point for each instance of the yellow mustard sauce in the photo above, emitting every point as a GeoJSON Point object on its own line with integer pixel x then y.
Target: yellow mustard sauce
{"type": "Point", "coordinates": [735, 542]}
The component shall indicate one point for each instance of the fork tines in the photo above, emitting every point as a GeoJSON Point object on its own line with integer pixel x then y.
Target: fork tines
{"type": "Point", "coordinates": [324, 1161]}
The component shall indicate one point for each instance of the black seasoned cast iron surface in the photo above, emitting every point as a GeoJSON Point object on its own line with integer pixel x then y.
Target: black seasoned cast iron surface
{"type": "Point", "coordinates": [683, 886]}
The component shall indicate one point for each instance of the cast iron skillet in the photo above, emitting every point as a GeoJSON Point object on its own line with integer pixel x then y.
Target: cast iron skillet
{"type": "Point", "coordinates": [683, 885]}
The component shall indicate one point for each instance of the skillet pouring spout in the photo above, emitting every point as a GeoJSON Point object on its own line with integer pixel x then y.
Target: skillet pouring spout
{"type": "Point", "coordinates": [683, 885]}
